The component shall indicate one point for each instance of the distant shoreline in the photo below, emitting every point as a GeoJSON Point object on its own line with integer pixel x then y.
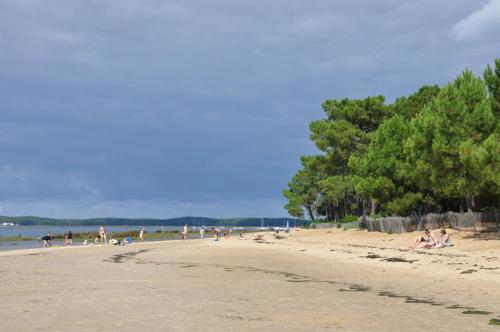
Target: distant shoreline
{"type": "Point", "coordinates": [181, 221]}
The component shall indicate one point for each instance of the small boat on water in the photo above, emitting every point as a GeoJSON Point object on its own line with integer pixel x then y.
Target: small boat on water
{"type": "Point", "coordinates": [7, 224]}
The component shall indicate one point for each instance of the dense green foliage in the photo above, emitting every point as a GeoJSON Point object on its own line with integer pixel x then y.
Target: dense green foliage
{"type": "Point", "coordinates": [435, 150]}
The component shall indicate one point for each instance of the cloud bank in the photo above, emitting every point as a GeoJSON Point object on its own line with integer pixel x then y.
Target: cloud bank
{"type": "Point", "coordinates": [485, 20]}
{"type": "Point", "coordinates": [159, 109]}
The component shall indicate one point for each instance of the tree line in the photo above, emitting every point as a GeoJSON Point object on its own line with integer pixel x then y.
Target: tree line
{"type": "Point", "coordinates": [433, 151]}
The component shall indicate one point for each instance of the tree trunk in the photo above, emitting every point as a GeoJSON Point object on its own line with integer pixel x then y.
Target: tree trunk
{"type": "Point", "coordinates": [374, 204]}
{"type": "Point", "coordinates": [363, 219]}
{"type": "Point", "coordinates": [364, 209]}
{"type": "Point", "coordinates": [310, 212]}
{"type": "Point", "coordinates": [469, 201]}
{"type": "Point", "coordinates": [346, 198]}
{"type": "Point", "coordinates": [331, 211]}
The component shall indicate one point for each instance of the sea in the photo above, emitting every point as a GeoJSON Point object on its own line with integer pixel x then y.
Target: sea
{"type": "Point", "coordinates": [41, 230]}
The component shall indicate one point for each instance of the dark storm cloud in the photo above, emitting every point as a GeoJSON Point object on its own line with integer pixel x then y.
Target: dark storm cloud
{"type": "Point", "coordinates": [155, 108]}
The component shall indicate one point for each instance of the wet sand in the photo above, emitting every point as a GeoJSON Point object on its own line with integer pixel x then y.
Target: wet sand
{"type": "Point", "coordinates": [314, 280]}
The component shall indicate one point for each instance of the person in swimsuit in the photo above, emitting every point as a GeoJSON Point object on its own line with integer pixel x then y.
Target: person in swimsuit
{"type": "Point", "coordinates": [426, 241]}
{"type": "Point", "coordinates": [141, 234]}
{"type": "Point", "coordinates": [102, 234]}
{"type": "Point", "coordinates": [444, 240]}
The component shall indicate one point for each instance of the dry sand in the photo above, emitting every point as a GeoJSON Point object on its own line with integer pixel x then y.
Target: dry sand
{"type": "Point", "coordinates": [314, 280]}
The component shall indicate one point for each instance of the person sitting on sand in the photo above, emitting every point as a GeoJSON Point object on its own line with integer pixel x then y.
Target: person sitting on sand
{"type": "Point", "coordinates": [444, 240]}
{"type": "Point", "coordinates": [426, 241]}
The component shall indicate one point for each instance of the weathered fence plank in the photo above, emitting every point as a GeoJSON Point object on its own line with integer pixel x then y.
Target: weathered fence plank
{"type": "Point", "coordinates": [488, 221]}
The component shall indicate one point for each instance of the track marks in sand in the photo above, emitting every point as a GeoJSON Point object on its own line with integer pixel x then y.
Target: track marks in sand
{"type": "Point", "coordinates": [390, 259]}
{"type": "Point", "coordinates": [120, 258]}
{"type": "Point", "coordinates": [432, 302]}
{"type": "Point", "coordinates": [298, 278]}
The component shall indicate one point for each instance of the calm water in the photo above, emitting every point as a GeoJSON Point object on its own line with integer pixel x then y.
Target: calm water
{"type": "Point", "coordinates": [38, 231]}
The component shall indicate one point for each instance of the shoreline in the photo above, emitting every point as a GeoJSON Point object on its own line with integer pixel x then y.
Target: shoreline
{"type": "Point", "coordinates": [169, 235]}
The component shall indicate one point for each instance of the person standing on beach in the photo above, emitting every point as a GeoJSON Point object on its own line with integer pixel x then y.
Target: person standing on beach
{"type": "Point", "coordinates": [141, 234]}
{"type": "Point", "coordinates": [184, 232]}
{"type": "Point", "coordinates": [202, 232]}
{"type": "Point", "coordinates": [102, 234]}
{"type": "Point", "coordinates": [69, 238]}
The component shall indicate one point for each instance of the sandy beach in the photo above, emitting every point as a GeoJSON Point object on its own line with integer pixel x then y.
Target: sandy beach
{"type": "Point", "coordinates": [308, 280]}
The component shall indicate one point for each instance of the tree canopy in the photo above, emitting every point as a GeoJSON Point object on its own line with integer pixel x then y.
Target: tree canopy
{"type": "Point", "coordinates": [435, 150]}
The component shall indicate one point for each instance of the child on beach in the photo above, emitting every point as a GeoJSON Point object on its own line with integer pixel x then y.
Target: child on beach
{"type": "Point", "coordinates": [202, 232]}
{"type": "Point", "coordinates": [426, 241]}
{"type": "Point", "coordinates": [184, 232]}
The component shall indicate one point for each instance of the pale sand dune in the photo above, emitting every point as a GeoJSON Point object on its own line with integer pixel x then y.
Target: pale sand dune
{"type": "Point", "coordinates": [310, 281]}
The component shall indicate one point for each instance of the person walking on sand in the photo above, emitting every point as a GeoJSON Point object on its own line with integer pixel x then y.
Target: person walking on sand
{"type": "Point", "coordinates": [141, 234]}
{"type": "Point", "coordinates": [202, 232]}
{"type": "Point", "coordinates": [102, 234]}
{"type": "Point", "coordinates": [184, 232]}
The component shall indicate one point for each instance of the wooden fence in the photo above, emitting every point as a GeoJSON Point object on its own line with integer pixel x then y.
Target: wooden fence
{"type": "Point", "coordinates": [488, 221]}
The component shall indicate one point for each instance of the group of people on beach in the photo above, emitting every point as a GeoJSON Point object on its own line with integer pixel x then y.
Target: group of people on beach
{"type": "Point", "coordinates": [46, 240]}
{"type": "Point", "coordinates": [215, 231]}
{"type": "Point", "coordinates": [427, 241]}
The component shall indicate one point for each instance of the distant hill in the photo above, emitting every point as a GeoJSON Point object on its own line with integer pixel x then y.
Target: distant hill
{"type": "Point", "coordinates": [191, 221]}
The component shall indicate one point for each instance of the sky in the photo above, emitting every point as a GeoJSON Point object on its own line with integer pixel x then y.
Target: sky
{"type": "Point", "coordinates": [149, 108]}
